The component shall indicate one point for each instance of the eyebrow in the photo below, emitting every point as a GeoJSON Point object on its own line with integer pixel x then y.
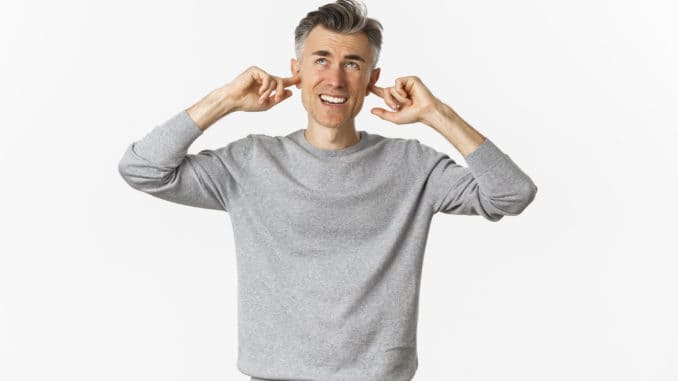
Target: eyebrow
{"type": "Point", "coordinates": [325, 53]}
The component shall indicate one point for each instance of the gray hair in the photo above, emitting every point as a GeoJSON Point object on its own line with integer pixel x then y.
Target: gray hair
{"type": "Point", "coordinates": [342, 16]}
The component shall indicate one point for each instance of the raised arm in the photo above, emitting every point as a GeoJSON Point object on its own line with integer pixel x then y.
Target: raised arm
{"type": "Point", "coordinates": [491, 186]}
{"type": "Point", "coordinates": [250, 91]}
{"type": "Point", "coordinates": [158, 164]}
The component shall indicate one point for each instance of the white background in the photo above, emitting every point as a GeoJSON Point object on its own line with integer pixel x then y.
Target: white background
{"type": "Point", "coordinates": [102, 282]}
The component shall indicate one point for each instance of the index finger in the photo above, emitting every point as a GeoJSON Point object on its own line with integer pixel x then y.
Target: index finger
{"type": "Point", "coordinates": [289, 81]}
{"type": "Point", "coordinates": [377, 90]}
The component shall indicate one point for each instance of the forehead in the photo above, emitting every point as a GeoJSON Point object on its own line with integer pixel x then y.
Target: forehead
{"type": "Point", "coordinates": [323, 38]}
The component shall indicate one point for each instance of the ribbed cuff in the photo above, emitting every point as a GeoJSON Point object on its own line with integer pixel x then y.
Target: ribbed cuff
{"type": "Point", "coordinates": [484, 157]}
{"type": "Point", "coordinates": [183, 122]}
{"type": "Point", "coordinates": [168, 142]}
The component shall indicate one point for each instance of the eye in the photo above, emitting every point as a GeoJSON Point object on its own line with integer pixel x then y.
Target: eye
{"type": "Point", "coordinates": [316, 61]}
{"type": "Point", "coordinates": [355, 64]}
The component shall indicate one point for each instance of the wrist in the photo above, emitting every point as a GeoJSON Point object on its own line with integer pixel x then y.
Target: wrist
{"type": "Point", "coordinates": [440, 115]}
{"type": "Point", "coordinates": [211, 108]}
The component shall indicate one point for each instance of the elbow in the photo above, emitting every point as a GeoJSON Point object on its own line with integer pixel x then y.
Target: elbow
{"type": "Point", "coordinates": [123, 167]}
{"type": "Point", "coordinates": [513, 205]}
{"type": "Point", "coordinates": [524, 197]}
{"type": "Point", "coordinates": [126, 171]}
{"type": "Point", "coordinates": [140, 175]}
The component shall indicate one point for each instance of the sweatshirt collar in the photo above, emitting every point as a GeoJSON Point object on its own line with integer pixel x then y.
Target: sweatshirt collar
{"type": "Point", "coordinates": [301, 139]}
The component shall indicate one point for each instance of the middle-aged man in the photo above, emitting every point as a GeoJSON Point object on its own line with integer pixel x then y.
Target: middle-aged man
{"type": "Point", "coordinates": [330, 223]}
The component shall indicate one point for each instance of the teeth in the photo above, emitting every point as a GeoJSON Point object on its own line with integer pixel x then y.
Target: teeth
{"type": "Point", "coordinates": [330, 99]}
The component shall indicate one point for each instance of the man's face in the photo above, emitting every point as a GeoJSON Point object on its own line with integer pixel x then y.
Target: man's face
{"type": "Point", "coordinates": [337, 65]}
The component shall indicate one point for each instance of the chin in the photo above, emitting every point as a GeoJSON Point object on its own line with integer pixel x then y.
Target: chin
{"type": "Point", "coordinates": [332, 125]}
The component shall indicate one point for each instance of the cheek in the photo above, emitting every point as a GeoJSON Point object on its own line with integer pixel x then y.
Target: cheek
{"type": "Point", "coordinates": [307, 97]}
{"type": "Point", "coordinates": [306, 84]}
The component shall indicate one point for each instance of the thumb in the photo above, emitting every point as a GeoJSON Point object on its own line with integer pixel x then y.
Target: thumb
{"type": "Point", "coordinates": [383, 114]}
{"type": "Point", "coordinates": [286, 94]}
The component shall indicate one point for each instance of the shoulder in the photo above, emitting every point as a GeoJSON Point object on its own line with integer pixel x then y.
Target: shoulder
{"type": "Point", "coordinates": [263, 139]}
{"type": "Point", "coordinates": [413, 147]}
{"type": "Point", "coordinates": [236, 149]}
{"type": "Point", "coordinates": [396, 145]}
{"type": "Point", "coordinates": [424, 157]}
{"type": "Point", "coordinates": [268, 143]}
{"type": "Point", "coordinates": [409, 153]}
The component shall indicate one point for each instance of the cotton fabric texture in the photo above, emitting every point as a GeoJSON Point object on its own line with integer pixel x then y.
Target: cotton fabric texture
{"type": "Point", "coordinates": [329, 244]}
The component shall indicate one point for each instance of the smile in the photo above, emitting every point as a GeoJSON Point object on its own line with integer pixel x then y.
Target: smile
{"type": "Point", "coordinates": [332, 100]}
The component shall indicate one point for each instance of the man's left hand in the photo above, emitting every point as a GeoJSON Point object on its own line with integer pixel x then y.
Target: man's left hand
{"type": "Point", "coordinates": [410, 98]}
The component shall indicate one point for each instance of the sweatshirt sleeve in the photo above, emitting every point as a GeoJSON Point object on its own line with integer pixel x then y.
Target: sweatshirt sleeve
{"type": "Point", "coordinates": [159, 165]}
{"type": "Point", "coordinates": [492, 185]}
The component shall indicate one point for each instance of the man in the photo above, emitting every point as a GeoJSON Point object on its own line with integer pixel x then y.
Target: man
{"type": "Point", "coordinates": [330, 223]}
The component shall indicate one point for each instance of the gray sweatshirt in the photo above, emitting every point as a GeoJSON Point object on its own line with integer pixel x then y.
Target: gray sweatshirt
{"type": "Point", "coordinates": [329, 243]}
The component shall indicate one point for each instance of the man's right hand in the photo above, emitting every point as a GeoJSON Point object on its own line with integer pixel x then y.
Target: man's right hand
{"type": "Point", "coordinates": [251, 90]}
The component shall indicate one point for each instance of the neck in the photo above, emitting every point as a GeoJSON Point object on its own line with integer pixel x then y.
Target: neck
{"type": "Point", "coordinates": [331, 138]}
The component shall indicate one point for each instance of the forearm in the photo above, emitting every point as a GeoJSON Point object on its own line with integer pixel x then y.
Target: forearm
{"type": "Point", "coordinates": [147, 162]}
{"type": "Point", "coordinates": [159, 164]}
{"type": "Point", "coordinates": [211, 108]}
{"type": "Point", "coordinates": [449, 124]}
{"type": "Point", "coordinates": [503, 188]}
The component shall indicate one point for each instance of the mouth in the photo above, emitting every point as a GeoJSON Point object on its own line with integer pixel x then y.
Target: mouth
{"type": "Point", "coordinates": [332, 100]}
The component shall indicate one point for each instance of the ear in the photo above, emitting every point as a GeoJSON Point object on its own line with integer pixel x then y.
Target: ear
{"type": "Point", "coordinates": [295, 67]}
{"type": "Point", "coordinates": [373, 79]}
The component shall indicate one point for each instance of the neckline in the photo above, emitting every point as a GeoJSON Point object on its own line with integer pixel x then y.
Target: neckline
{"type": "Point", "coordinates": [332, 152]}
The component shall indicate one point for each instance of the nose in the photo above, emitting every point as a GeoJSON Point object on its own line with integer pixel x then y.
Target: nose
{"type": "Point", "coordinates": [335, 77]}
